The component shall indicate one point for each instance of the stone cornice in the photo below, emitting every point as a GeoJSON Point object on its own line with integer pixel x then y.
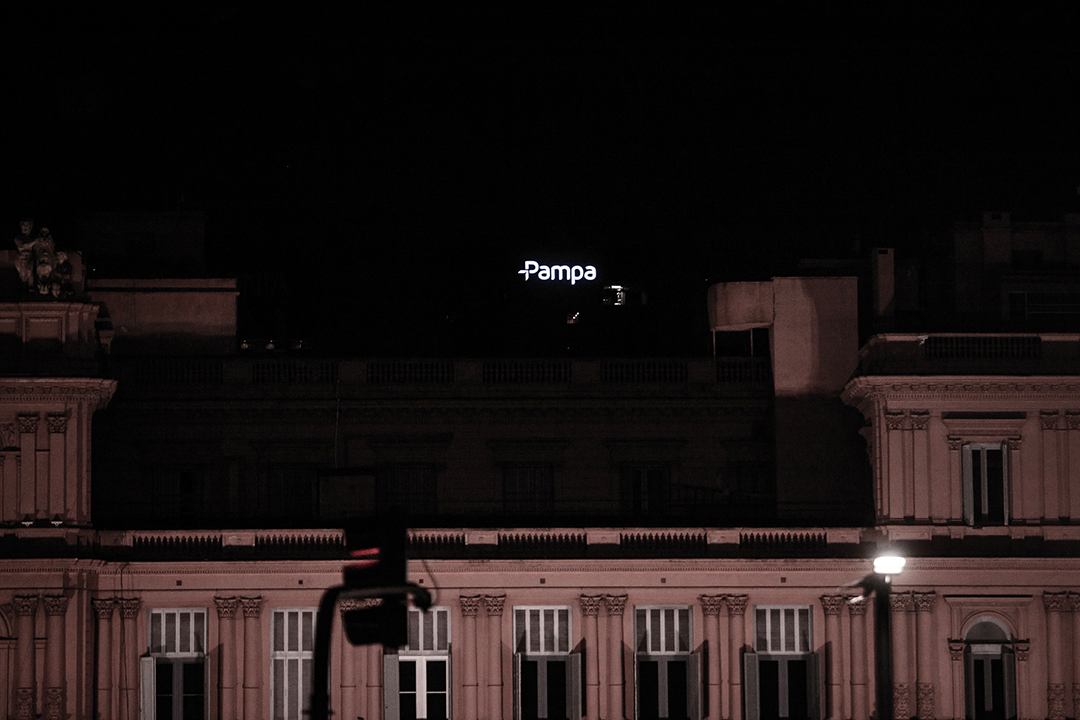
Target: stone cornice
{"type": "Point", "coordinates": [92, 391]}
{"type": "Point", "coordinates": [869, 388]}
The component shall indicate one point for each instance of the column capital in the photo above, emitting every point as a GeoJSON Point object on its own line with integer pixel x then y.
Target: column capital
{"type": "Point", "coordinates": [901, 602]}
{"type": "Point", "coordinates": [924, 601]}
{"type": "Point", "coordinates": [55, 604]}
{"type": "Point", "coordinates": [955, 442]}
{"type": "Point", "coordinates": [615, 604]}
{"type": "Point", "coordinates": [1074, 601]}
{"type": "Point", "coordinates": [251, 606]}
{"type": "Point", "coordinates": [129, 607]}
{"type": "Point", "coordinates": [25, 604]}
{"type": "Point", "coordinates": [494, 604]}
{"type": "Point", "coordinates": [470, 605]}
{"type": "Point", "coordinates": [1054, 601]}
{"type": "Point", "coordinates": [833, 604]}
{"type": "Point", "coordinates": [103, 607]}
{"type": "Point", "coordinates": [710, 604]}
{"type": "Point", "coordinates": [226, 607]}
{"type": "Point", "coordinates": [920, 419]}
{"type": "Point", "coordinates": [956, 650]}
{"type": "Point", "coordinates": [1022, 650]}
{"type": "Point", "coordinates": [856, 607]}
{"type": "Point", "coordinates": [736, 604]}
{"type": "Point", "coordinates": [28, 423]}
{"type": "Point", "coordinates": [895, 420]}
{"type": "Point", "coordinates": [349, 604]}
{"type": "Point", "coordinates": [590, 605]}
{"type": "Point", "coordinates": [1014, 443]}
{"type": "Point", "coordinates": [1049, 419]}
{"type": "Point", "coordinates": [57, 424]}
{"type": "Point", "coordinates": [1072, 419]}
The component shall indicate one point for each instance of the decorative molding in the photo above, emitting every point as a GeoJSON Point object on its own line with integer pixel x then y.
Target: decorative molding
{"type": "Point", "coordinates": [920, 419]}
{"type": "Point", "coordinates": [1074, 605]}
{"type": "Point", "coordinates": [869, 389]}
{"type": "Point", "coordinates": [924, 601]}
{"type": "Point", "coordinates": [28, 424]}
{"type": "Point", "coordinates": [470, 604]}
{"type": "Point", "coordinates": [955, 442]}
{"type": "Point", "coordinates": [57, 424]}
{"type": "Point", "coordinates": [894, 420]}
{"type": "Point", "coordinates": [901, 701]}
{"type": "Point", "coordinates": [56, 604]}
{"type": "Point", "coordinates": [924, 701]}
{"type": "Point", "coordinates": [348, 604]}
{"type": "Point", "coordinates": [615, 604]}
{"type": "Point", "coordinates": [54, 703]}
{"type": "Point", "coordinates": [494, 604]}
{"type": "Point", "coordinates": [372, 602]}
{"type": "Point", "coordinates": [1022, 648]}
{"type": "Point", "coordinates": [710, 604]}
{"type": "Point", "coordinates": [8, 437]}
{"type": "Point", "coordinates": [590, 605]}
{"type": "Point", "coordinates": [226, 607]}
{"type": "Point", "coordinates": [1049, 419]}
{"type": "Point", "coordinates": [129, 607]}
{"type": "Point", "coordinates": [1055, 602]}
{"type": "Point", "coordinates": [25, 604]}
{"type": "Point", "coordinates": [956, 650]}
{"type": "Point", "coordinates": [252, 606]}
{"type": "Point", "coordinates": [1014, 442]}
{"type": "Point", "coordinates": [857, 608]}
{"type": "Point", "coordinates": [1072, 420]}
{"type": "Point", "coordinates": [21, 391]}
{"type": "Point", "coordinates": [736, 604]}
{"type": "Point", "coordinates": [833, 604]}
{"type": "Point", "coordinates": [1055, 701]}
{"type": "Point", "coordinates": [24, 703]}
{"type": "Point", "coordinates": [103, 607]}
{"type": "Point", "coordinates": [901, 602]}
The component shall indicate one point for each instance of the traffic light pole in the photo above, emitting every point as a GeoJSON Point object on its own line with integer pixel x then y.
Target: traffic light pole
{"type": "Point", "coordinates": [319, 707]}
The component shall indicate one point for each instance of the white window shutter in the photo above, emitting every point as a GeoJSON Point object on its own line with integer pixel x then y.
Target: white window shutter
{"type": "Point", "coordinates": [969, 487]}
{"type": "Point", "coordinates": [751, 696]}
{"type": "Point", "coordinates": [147, 688]}
{"type": "Point", "coordinates": [391, 696]}
{"type": "Point", "coordinates": [693, 686]}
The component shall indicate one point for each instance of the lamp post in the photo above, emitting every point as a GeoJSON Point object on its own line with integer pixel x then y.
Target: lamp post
{"type": "Point", "coordinates": [878, 583]}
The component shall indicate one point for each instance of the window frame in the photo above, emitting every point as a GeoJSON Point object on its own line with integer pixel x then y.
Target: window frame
{"type": "Point", "coordinates": [967, 451]}
{"type": "Point", "coordinates": [664, 657]}
{"type": "Point", "coordinates": [285, 655]}
{"type": "Point", "coordinates": [420, 658]}
{"type": "Point", "coordinates": [175, 659]}
{"type": "Point", "coordinates": [544, 657]}
{"type": "Point", "coordinates": [784, 659]}
{"type": "Point", "coordinates": [794, 609]}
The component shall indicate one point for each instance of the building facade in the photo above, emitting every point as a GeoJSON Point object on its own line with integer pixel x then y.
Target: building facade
{"type": "Point", "coordinates": [603, 538]}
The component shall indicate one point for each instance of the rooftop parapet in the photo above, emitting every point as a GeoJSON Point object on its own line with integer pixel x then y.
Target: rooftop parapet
{"type": "Point", "coordinates": [971, 354]}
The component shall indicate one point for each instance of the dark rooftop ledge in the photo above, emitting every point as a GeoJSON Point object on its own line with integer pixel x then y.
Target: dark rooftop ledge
{"type": "Point", "coordinates": [971, 354]}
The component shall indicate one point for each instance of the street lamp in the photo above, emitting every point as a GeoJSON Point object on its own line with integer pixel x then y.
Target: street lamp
{"type": "Point", "coordinates": [878, 582]}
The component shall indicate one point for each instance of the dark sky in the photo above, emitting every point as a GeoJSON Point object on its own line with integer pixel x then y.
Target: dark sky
{"type": "Point", "coordinates": [393, 163]}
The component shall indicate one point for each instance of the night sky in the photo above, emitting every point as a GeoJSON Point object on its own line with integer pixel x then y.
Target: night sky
{"type": "Point", "coordinates": [381, 174]}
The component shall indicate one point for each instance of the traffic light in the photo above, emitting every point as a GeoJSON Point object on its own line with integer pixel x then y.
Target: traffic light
{"type": "Point", "coordinates": [376, 570]}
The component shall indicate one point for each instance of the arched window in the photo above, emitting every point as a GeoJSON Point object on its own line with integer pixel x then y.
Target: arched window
{"type": "Point", "coordinates": [989, 671]}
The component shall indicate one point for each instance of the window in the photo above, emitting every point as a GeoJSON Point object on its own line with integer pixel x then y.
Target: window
{"type": "Point", "coordinates": [528, 488]}
{"type": "Point", "coordinates": [645, 489]}
{"type": "Point", "coordinates": [668, 673]}
{"type": "Point", "coordinates": [291, 662]}
{"type": "Point", "coordinates": [986, 483]}
{"type": "Point", "coordinates": [416, 679]}
{"type": "Point", "coordinates": [783, 675]}
{"type": "Point", "coordinates": [989, 672]}
{"type": "Point", "coordinates": [547, 678]}
{"type": "Point", "coordinates": [173, 673]}
{"type": "Point", "coordinates": [409, 488]}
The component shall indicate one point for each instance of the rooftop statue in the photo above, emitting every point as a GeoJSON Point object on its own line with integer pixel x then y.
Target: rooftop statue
{"type": "Point", "coordinates": [43, 270]}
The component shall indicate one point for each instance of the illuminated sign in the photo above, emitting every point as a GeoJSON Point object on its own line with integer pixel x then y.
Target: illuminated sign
{"type": "Point", "coordinates": [573, 273]}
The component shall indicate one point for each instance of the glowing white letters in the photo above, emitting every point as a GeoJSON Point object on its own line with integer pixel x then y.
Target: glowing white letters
{"type": "Point", "coordinates": [558, 272]}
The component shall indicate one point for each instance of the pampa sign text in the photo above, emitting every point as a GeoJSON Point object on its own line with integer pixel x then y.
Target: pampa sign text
{"type": "Point", "coordinates": [573, 273]}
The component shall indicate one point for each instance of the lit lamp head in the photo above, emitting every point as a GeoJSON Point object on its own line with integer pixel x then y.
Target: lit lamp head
{"type": "Point", "coordinates": [889, 564]}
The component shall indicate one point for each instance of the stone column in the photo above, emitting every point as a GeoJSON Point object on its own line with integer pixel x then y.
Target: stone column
{"type": "Point", "coordinates": [348, 662]}
{"type": "Point", "coordinates": [1055, 657]}
{"type": "Point", "coordinates": [833, 605]}
{"type": "Point", "coordinates": [25, 684]}
{"type": "Point", "coordinates": [494, 605]}
{"type": "Point", "coordinates": [253, 695]}
{"type": "Point", "coordinates": [1074, 604]}
{"type": "Point", "coordinates": [590, 607]}
{"type": "Point", "coordinates": [615, 606]}
{"type": "Point", "coordinates": [736, 609]}
{"type": "Point", "coordinates": [710, 610]}
{"type": "Point", "coordinates": [375, 707]}
{"type": "Point", "coordinates": [956, 653]}
{"type": "Point", "coordinates": [860, 706]}
{"type": "Point", "coordinates": [55, 700]}
{"type": "Point", "coordinates": [469, 604]}
{"type": "Point", "coordinates": [129, 661]}
{"type": "Point", "coordinates": [924, 653]}
{"type": "Point", "coordinates": [226, 612]}
{"type": "Point", "coordinates": [901, 604]}
{"type": "Point", "coordinates": [103, 609]}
